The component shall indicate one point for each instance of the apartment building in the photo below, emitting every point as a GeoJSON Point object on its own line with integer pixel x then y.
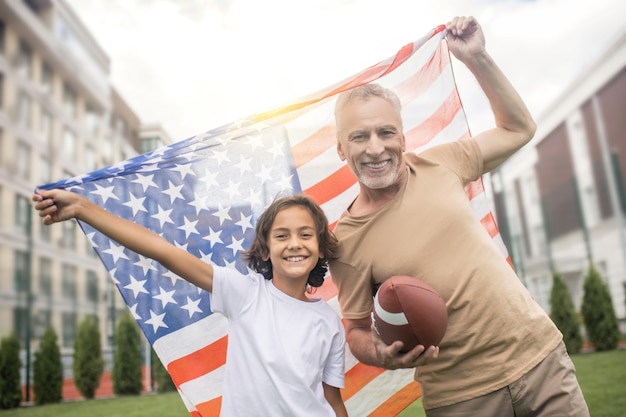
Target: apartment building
{"type": "Point", "coordinates": [59, 117]}
{"type": "Point", "coordinates": [560, 201]}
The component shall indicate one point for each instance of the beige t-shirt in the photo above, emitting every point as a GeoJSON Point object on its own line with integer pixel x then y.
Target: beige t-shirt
{"type": "Point", "coordinates": [496, 331]}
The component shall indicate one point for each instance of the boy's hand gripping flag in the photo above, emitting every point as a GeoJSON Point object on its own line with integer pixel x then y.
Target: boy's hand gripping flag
{"type": "Point", "coordinates": [205, 193]}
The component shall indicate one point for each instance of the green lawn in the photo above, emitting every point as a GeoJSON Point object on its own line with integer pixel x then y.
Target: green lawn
{"type": "Point", "coordinates": [601, 375]}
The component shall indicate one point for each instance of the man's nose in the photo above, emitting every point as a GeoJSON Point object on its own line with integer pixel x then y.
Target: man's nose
{"type": "Point", "coordinates": [375, 145]}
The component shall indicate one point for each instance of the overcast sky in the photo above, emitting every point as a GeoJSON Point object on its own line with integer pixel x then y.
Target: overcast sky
{"type": "Point", "coordinates": [192, 65]}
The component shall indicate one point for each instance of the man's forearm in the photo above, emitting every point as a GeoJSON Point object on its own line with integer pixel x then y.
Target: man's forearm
{"type": "Point", "coordinates": [362, 346]}
{"type": "Point", "coordinates": [509, 109]}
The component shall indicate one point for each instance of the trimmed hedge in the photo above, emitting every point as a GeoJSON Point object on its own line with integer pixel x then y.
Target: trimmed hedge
{"type": "Point", "coordinates": [88, 363]}
{"type": "Point", "coordinates": [598, 313]}
{"type": "Point", "coordinates": [127, 360]}
{"type": "Point", "coordinates": [48, 370]}
{"type": "Point", "coordinates": [563, 314]}
{"type": "Point", "coordinates": [10, 364]}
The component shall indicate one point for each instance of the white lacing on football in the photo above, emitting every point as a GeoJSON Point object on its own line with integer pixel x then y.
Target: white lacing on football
{"type": "Point", "coordinates": [395, 319]}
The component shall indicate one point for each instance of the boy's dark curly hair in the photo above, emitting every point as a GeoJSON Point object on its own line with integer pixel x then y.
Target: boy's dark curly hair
{"type": "Point", "coordinates": [259, 250]}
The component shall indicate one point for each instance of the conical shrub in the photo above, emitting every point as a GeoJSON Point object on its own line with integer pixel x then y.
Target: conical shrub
{"type": "Point", "coordinates": [598, 313]}
{"type": "Point", "coordinates": [88, 361]}
{"type": "Point", "coordinates": [10, 384]}
{"type": "Point", "coordinates": [127, 361]}
{"type": "Point", "coordinates": [564, 315]}
{"type": "Point", "coordinates": [48, 370]}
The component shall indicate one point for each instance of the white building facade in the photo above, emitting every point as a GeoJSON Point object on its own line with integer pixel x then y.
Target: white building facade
{"type": "Point", "coordinates": [59, 117]}
{"type": "Point", "coordinates": [560, 202]}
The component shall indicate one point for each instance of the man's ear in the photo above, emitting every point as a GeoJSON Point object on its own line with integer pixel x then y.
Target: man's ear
{"type": "Point", "coordinates": [340, 151]}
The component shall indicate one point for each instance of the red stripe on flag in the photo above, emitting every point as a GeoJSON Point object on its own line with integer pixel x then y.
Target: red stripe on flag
{"type": "Point", "coordinates": [357, 377]}
{"type": "Point", "coordinates": [210, 408]}
{"type": "Point", "coordinates": [474, 188]}
{"type": "Point", "coordinates": [431, 127]}
{"type": "Point", "coordinates": [199, 362]}
{"type": "Point", "coordinates": [399, 401]}
{"type": "Point", "coordinates": [328, 290]}
{"type": "Point", "coordinates": [489, 224]}
{"type": "Point", "coordinates": [418, 83]}
{"type": "Point", "coordinates": [331, 186]}
{"type": "Point", "coordinates": [374, 72]}
{"type": "Point", "coordinates": [314, 145]}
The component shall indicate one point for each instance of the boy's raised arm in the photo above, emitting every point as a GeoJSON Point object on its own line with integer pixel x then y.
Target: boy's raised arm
{"type": "Point", "coordinates": [59, 205]}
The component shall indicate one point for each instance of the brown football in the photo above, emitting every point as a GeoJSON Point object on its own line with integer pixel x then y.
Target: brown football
{"type": "Point", "coordinates": [411, 311]}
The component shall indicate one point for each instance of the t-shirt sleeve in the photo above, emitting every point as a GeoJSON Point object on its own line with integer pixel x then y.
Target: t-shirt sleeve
{"type": "Point", "coordinates": [462, 156]}
{"type": "Point", "coordinates": [231, 290]}
{"type": "Point", "coordinates": [355, 295]}
{"type": "Point", "coordinates": [334, 371]}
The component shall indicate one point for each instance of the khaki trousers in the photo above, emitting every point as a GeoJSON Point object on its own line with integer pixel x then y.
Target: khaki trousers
{"type": "Point", "coordinates": [549, 389]}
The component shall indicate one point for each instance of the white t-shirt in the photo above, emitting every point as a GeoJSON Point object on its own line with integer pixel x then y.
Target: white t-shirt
{"type": "Point", "coordinates": [280, 349]}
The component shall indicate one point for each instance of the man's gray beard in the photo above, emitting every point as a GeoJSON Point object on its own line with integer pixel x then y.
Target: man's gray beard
{"type": "Point", "coordinates": [378, 186]}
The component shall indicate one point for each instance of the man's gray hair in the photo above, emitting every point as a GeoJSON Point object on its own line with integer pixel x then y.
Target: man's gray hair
{"type": "Point", "coordinates": [363, 92]}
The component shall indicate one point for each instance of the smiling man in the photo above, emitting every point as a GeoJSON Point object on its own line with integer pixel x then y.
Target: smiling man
{"type": "Point", "coordinates": [501, 355]}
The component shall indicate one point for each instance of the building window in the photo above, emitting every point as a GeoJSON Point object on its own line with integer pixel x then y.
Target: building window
{"type": "Point", "coordinates": [68, 282]}
{"type": "Point", "coordinates": [90, 159]}
{"type": "Point", "coordinates": [19, 323]}
{"type": "Point", "coordinates": [69, 144]}
{"type": "Point", "coordinates": [46, 127]}
{"type": "Point", "coordinates": [42, 321]}
{"type": "Point", "coordinates": [92, 287]}
{"type": "Point", "coordinates": [92, 119]}
{"type": "Point", "coordinates": [69, 100]}
{"type": "Point", "coordinates": [44, 232]}
{"type": "Point", "coordinates": [1, 89]}
{"type": "Point", "coordinates": [46, 79]}
{"type": "Point", "coordinates": [69, 329]}
{"type": "Point", "coordinates": [22, 211]}
{"type": "Point", "coordinates": [45, 277]}
{"type": "Point", "coordinates": [150, 144]}
{"type": "Point", "coordinates": [2, 37]}
{"type": "Point", "coordinates": [107, 150]}
{"type": "Point", "coordinates": [25, 61]}
{"type": "Point", "coordinates": [44, 170]}
{"type": "Point", "coordinates": [23, 111]}
{"type": "Point", "coordinates": [22, 158]}
{"type": "Point", "coordinates": [19, 273]}
{"type": "Point", "coordinates": [69, 235]}
{"type": "Point", "coordinates": [121, 128]}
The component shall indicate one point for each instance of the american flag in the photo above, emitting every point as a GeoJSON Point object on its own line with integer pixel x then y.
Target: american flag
{"type": "Point", "coordinates": [205, 193]}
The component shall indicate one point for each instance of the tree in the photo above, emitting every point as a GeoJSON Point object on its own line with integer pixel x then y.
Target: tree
{"type": "Point", "coordinates": [127, 362]}
{"type": "Point", "coordinates": [563, 314]}
{"type": "Point", "coordinates": [598, 313]}
{"type": "Point", "coordinates": [88, 361]}
{"type": "Point", "coordinates": [48, 370]}
{"type": "Point", "coordinates": [163, 379]}
{"type": "Point", "coordinates": [10, 364]}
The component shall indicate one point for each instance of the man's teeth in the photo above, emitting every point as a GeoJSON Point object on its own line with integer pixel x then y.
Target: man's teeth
{"type": "Point", "coordinates": [378, 165]}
